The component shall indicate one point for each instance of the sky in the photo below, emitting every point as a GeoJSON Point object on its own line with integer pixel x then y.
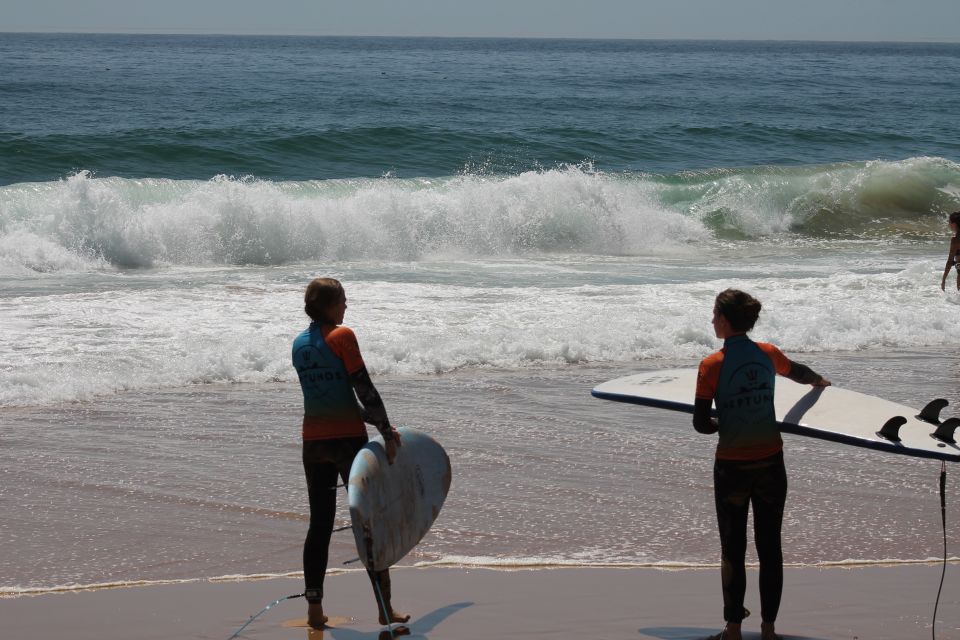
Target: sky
{"type": "Point", "coordinates": [852, 20]}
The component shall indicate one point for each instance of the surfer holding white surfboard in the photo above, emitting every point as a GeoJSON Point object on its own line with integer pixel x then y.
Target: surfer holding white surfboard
{"type": "Point", "coordinates": [749, 466]}
{"type": "Point", "coordinates": [332, 377]}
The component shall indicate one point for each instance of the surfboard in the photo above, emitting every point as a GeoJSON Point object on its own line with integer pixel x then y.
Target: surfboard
{"type": "Point", "coordinates": [827, 413]}
{"type": "Point", "coordinates": [392, 506]}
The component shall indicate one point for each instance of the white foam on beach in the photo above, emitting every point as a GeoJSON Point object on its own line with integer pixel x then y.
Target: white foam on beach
{"type": "Point", "coordinates": [482, 562]}
{"type": "Point", "coordinates": [196, 329]}
{"type": "Point", "coordinates": [17, 591]}
{"type": "Point", "coordinates": [510, 563]}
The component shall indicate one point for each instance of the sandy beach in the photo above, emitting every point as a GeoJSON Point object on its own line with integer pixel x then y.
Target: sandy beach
{"type": "Point", "coordinates": [584, 603]}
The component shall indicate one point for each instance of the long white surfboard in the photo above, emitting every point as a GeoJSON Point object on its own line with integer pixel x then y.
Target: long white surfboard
{"type": "Point", "coordinates": [392, 506]}
{"type": "Point", "coordinates": [827, 413]}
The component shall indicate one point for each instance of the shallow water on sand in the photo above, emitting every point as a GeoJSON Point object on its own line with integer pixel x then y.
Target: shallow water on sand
{"type": "Point", "coordinates": [207, 481]}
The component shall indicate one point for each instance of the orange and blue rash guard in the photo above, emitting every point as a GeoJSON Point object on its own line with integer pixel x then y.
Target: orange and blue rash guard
{"type": "Point", "coordinates": [740, 379]}
{"type": "Point", "coordinates": [324, 357]}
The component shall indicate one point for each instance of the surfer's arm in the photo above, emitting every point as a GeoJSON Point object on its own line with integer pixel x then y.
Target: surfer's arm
{"type": "Point", "coordinates": [805, 375]}
{"type": "Point", "coordinates": [373, 410]}
{"type": "Point", "coordinates": [786, 367]}
{"type": "Point", "coordinates": [703, 422]}
{"type": "Point", "coordinates": [951, 258]}
{"type": "Point", "coordinates": [707, 376]}
{"type": "Point", "coordinates": [343, 342]}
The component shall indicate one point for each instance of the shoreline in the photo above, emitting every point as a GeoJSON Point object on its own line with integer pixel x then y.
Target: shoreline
{"type": "Point", "coordinates": [12, 593]}
{"type": "Point", "coordinates": [464, 603]}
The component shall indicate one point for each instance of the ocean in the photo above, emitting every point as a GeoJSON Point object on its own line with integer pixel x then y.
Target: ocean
{"type": "Point", "coordinates": [514, 221]}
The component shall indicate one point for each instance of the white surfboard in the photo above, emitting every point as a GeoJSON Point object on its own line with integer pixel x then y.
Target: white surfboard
{"type": "Point", "coordinates": [827, 413]}
{"type": "Point", "coordinates": [392, 506]}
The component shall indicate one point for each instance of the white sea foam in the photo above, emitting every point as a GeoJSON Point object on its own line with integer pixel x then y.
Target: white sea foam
{"type": "Point", "coordinates": [526, 563]}
{"type": "Point", "coordinates": [540, 269]}
{"type": "Point", "coordinates": [175, 332]}
{"type": "Point", "coordinates": [477, 562]}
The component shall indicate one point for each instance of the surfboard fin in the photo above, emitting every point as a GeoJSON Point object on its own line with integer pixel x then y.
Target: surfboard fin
{"type": "Point", "coordinates": [891, 429]}
{"type": "Point", "coordinates": [944, 432]}
{"type": "Point", "coordinates": [931, 412]}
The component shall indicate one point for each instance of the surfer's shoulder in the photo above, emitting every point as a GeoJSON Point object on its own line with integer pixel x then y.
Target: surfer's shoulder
{"type": "Point", "coordinates": [343, 342]}
{"type": "Point", "coordinates": [713, 360]}
{"type": "Point", "coordinates": [768, 348]}
{"type": "Point", "coordinates": [342, 332]}
{"type": "Point", "coordinates": [781, 363]}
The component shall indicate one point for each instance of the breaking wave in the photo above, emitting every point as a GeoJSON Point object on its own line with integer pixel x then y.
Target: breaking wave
{"type": "Point", "coordinates": [85, 223]}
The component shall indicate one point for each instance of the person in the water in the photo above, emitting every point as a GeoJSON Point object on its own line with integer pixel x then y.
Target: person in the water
{"type": "Point", "coordinates": [332, 377]}
{"type": "Point", "coordinates": [953, 260]}
{"type": "Point", "coordinates": [749, 465]}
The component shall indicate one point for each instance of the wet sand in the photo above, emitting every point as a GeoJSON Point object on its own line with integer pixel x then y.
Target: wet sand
{"type": "Point", "coordinates": [207, 481]}
{"type": "Point", "coordinates": [462, 604]}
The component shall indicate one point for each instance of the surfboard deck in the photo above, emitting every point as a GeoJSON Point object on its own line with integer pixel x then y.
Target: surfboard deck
{"type": "Point", "coordinates": [826, 413]}
{"type": "Point", "coordinates": [393, 506]}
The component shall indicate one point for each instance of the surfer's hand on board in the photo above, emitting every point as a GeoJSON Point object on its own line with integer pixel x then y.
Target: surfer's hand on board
{"type": "Point", "coordinates": [392, 445]}
{"type": "Point", "coordinates": [823, 382]}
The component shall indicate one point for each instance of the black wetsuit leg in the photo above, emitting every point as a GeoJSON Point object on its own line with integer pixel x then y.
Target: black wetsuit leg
{"type": "Point", "coordinates": [736, 485]}
{"type": "Point", "coordinates": [732, 495]}
{"type": "Point", "coordinates": [325, 462]}
{"type": "Point", "coordinates": [768, 499]}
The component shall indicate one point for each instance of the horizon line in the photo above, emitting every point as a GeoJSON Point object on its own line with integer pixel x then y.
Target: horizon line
{"type": "Point", "coordinates": [200, 32]}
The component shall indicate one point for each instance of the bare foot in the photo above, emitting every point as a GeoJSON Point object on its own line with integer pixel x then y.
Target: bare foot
{"type": "Point", "coordinates": [767, 632]}
{"type": "Point", "coordinates": [395, 617]}
{"type": "Point", "coordinates": [315, 617]}
{"type": "Point", "coordinates": [730, 632]}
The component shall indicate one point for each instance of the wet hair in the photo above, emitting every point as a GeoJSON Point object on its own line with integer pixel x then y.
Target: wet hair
{"type": "Point", "coordinates": [955, 218]}
{"type": "Point", "coordinates": [321, 294]}
{"type": "Point", "coordinates": [739, 308]}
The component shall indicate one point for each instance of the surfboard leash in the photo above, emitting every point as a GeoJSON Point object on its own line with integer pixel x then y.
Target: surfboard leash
{"type": "Point", "coordinates": [943, 520]}
{"type": "Point", "coordinates": [383, 605]}
{"type": "Point", "coordinates": [264, 610]}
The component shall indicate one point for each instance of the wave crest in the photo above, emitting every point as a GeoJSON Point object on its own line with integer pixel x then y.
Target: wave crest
{"type": "Point", "coordinates": [88, 223]}
{"type": "Point", "coordinates": [847, 200]}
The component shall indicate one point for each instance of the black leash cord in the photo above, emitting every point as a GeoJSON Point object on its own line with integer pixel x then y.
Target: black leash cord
{"type": "Point", "coordinates": [262, 611]}
{"type": "Point", "coordinates": [943, 518]}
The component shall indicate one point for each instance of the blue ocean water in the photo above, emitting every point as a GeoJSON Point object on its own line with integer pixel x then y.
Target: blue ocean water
{"type": "Point", "coordinates": [289, 108]}
{"type": "Point", "coordinates": [514, 221]}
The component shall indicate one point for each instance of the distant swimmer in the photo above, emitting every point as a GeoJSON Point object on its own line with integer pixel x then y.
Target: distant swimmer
{"type": "Point", "coordinates": [953, 260]}
{"type": "Point", "coordinates": [749, 465]}
{"type": "Point", "coordinates": [332, 377]}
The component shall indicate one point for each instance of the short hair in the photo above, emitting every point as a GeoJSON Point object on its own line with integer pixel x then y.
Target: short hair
{"type": "Point", "coordinates": [320, 295]}
{"type": "Point", "coordinates": [955, 218]}
{"type": "Point", "coordinates": [739, 308]}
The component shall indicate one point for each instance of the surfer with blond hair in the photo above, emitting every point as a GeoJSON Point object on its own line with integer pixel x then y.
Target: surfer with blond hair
{"type": "Point", "coordinates": [333, 377]}
{"type": "Point", "coordinates": [952, 257]}
{"type": "Point", "coordinates": [749, 466]}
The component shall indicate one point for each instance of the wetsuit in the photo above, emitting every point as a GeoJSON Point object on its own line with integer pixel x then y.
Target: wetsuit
{"type": "Point", "coordinates": [332, 375]}
{"type": "Point", "coordinates": [749, 467]}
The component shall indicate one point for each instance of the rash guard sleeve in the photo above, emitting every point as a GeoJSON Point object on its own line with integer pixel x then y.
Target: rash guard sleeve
{"type": "Point", "coordinates": [373, 410]}
{"type": "Point", "coordinates": [803, 374]}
